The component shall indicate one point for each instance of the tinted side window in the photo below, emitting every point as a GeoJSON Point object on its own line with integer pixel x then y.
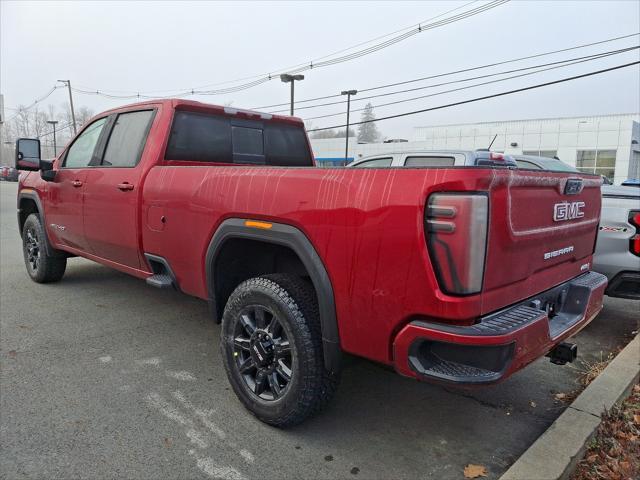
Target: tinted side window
{"type": "Point", "coordinates": [199, 137]}
{"type": "Point", "coordinates": [378, 162]}
{"type": "Point", "coordinates": [81, 152]}
{"type": "Point", "coordinates": [429, 161]}
{"type": "Point", "coordinates": [127, 139]}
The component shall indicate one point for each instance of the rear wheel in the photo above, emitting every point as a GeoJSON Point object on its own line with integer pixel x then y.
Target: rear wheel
{"type": "Point", "coordinates": [41, 267]}
{"type": "Point", "coordinates": [272, 349]}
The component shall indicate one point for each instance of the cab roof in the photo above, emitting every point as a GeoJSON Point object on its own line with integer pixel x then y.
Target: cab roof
{"type": "Point", "coordinates": [181, 104]}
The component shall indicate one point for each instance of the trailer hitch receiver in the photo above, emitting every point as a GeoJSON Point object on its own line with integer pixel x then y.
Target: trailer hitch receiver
{"type": "Point", "coordinates": [562, 353]}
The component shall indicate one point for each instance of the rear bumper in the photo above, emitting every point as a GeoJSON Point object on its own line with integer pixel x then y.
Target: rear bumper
{"type": "Point", "coordinates": [500, 343]}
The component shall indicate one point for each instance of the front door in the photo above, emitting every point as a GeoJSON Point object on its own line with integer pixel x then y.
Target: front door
{"type": "Point", "coordinates": [113, 192]}
{"type": "Point", "coordinates": [63, 209]}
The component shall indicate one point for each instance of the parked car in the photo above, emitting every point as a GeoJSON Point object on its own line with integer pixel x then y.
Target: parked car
{"type": "Point", "coordinates": [453, 277]}
{"type": "Point", "coordinates": [618, 249]}
{"type": "Point", "coordinates": [434, 158]}
{"type": "Point", "coordinates": [9, 174]}
{"type": "Point", "coordinates": [543, 163]}
{"type": "Point", "coordinates": [631, 182]}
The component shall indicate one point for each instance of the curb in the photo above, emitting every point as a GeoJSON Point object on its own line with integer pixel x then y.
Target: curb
{"type": "Point", "coordinates": [556, 452]}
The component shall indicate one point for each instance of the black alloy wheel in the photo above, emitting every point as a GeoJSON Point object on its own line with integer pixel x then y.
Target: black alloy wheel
{"type": "Point", "coordinates": [262, 352]}
{"type": "Point", "coordinates": [271, 345]}
{"type": "Point", "coordinates": [43, 265]}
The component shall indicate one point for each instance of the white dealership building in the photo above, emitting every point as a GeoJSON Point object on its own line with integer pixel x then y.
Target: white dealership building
{"type": "Point", "coordinates": [604, 144]}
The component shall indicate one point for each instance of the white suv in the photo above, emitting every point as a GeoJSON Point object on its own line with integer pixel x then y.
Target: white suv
{"type": "Point", "coordinates": [434, 158]}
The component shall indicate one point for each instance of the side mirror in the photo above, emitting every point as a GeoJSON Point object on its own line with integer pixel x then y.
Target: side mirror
{"type": "Point", "coordinates": [28, 154]}
{"type": "Point", "coordinates": [47, 173]}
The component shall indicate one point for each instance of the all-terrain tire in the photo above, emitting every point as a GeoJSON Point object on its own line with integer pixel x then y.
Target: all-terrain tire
{"type": "Point", "coordinates": [293, 301]}
{"type": "Point", "coordinates": [41, 267]}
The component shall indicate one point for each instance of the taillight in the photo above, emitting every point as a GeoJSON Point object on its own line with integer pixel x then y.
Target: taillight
{"type": "Point", "coordinates": [456, 230]}
{"type": "Point", "coordinates": [634, 242]}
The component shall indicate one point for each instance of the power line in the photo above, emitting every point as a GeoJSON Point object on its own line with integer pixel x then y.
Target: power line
{"type": "Point", "coordinates": [486, 97]}
{"type": "Point", "coordinates": [292, 66]}
{"type": "Point", "coordinates": [467, 79]}
{"type": "Point", "coordinates": [322, 61]}
{"type": "Point", "coordinates": [59, 129]}
{"type": "Point", "coordinates": [459, 71]}
{"type": "Point", "coordinates": [563, 65]}
{"type": "Point", "coordinates": [39, 100]}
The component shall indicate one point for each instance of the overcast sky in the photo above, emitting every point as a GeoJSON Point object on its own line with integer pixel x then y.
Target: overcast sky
{"type": "Point", "coordinates": [147, 46]}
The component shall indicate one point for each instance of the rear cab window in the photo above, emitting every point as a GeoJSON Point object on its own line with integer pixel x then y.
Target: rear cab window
{"type": "Point", "coordinates": [429, 161]}
{"type": "Point", "coordinates": [212, 138]}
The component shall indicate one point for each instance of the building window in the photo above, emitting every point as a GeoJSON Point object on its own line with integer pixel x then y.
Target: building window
{"type": "Point", "coordinates": [600, 162]}
{"type": "Point", "coordinates": [541, 153]}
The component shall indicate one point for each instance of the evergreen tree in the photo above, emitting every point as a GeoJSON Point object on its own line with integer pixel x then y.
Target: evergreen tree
{"type": "Point", "coordinates": [368, 132]}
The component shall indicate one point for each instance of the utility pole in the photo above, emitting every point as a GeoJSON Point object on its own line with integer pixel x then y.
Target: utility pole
{"type": "Point", "coordinates": [53, 123]}
{"type": "Point", "coordinates": [348, 93]}
{"type": "Point", "coordinates": [286, 78]}
{"type": "Point", "coordinates": [73, 113]}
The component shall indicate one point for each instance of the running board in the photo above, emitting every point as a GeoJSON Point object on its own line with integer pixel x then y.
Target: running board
{"type": "Point", "coordinates": [160, 280]}
{"type": "Point", "coordinates": [163, 276]}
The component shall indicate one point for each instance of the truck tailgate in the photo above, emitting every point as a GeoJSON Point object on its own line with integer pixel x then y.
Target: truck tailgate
{"type": "Point", "coordinates": [543, 228]}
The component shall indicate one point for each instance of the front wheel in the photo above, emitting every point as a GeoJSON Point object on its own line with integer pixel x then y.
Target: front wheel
{"type": "Point", "coordinates": [271, 345]}
{"type": "Point", "coordinates": [41, 267]}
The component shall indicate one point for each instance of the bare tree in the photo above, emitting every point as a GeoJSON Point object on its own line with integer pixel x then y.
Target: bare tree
{"type": "Point", "coordinates": [32, 123]}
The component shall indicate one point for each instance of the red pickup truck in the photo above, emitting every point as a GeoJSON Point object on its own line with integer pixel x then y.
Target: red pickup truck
{"type": "Point", "coordinates": [457, 275]}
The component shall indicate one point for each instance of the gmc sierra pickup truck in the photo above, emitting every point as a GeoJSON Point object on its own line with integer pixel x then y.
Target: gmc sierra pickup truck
{"type": "Point", "coordinates": [456, 274]}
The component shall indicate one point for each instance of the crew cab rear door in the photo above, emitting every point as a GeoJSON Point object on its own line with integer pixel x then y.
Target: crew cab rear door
{"type": "Point", "coordinates": [542, 231]}
{"type": "Point", "coordinates": [113, 187]}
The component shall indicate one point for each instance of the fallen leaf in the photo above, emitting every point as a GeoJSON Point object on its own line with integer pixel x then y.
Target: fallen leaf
{"type": "Point", "coordinates": [561, 396]}
{"type": "Point", "coordinates": [167, 442]}
{"type": "Point", "coordinates": [636, 388]}
{"type": "Point", "coordinates": [12, 354]}
{"type": "Point", "coordinates": [636, 417]}
{"type": "Point", "coordinates": [475, 471]}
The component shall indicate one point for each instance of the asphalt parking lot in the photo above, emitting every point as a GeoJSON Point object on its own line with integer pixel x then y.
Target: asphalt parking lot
{"type": "Point", "coordinates": [104, 377]}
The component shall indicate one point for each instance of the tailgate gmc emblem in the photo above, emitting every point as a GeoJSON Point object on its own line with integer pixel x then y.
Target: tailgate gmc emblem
{"type": "Point", "coordinates": [567, 211]}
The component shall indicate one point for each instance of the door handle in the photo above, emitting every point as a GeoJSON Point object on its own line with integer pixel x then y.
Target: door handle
{"type": "Point", "coordinates": [76, 183]}
{"type": "Point", "coordinates": [125, 186]}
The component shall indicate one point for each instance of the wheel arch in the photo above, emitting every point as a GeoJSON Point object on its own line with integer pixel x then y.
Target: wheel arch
{"type": "Point", "coordinates": [293, 239]}
{"type": "Point", "coordinates": [28, 203]}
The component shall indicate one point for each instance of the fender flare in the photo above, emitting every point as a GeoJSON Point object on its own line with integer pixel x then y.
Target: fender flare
{"type": "Point", "coordinates": [296, 240]}
{"type": "Point", "coordinates": [32, 195]}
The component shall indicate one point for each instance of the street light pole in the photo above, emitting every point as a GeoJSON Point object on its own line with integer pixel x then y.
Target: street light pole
{"type": "Point", "coordinates": [286, 78]}
{"type": "Point", "coordinates": [73, 113]}
{"type": "Point", "coordinates": [348, 93]}
{"type": "Point", "coordinates": [53, 123]}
